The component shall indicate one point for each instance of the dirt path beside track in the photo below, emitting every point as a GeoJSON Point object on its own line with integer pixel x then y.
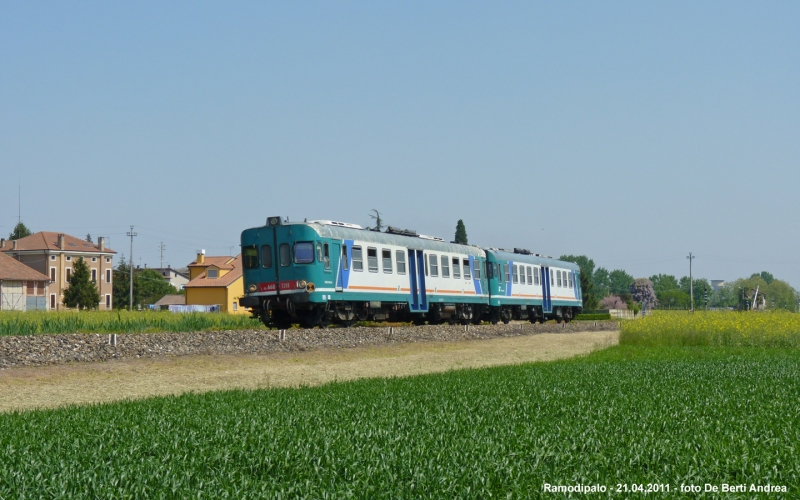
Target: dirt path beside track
{"type": "Point", "coordinates": [83, 383]}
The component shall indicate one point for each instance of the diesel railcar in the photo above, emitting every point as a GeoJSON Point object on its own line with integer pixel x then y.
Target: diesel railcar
{"type": "Point", "coordinates": [312, 273]}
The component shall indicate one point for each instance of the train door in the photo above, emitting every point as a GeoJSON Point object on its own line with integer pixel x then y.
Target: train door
{"type": "Point", "coordinates": [416, 274]}
{"type": "Point", "coordinates": [547, 301]}
{"type": "Point", "coordinates": [343, 267]}
{"type": "Point", "coordinates": [336, 264]}
{"type": "Point", "coordinates": [283, 262]}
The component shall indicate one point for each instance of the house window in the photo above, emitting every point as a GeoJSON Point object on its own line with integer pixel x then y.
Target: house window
{"type": "Point", "coordinates": [69, 258]}
{"type": "Point", "coordinates": [108, 301]}
{"type": "Point", "coordinates": [456, 268]}
{"type": "Point", "coordinates": [303, 252]}
{"type": "Point", "coordinates": [358, 259]}
{"type": "Point", "coordinates": [387, 260]}
{"type": "Point", "coordinates": [108, 275]}
{"type": "Point", "coordinates": [266, 256]}
{"type": "Point", "coordinates": [52, 301]}
{"type": "Point", "coordinates": [466, 269]}
{"type": "Point", "coordinates": [514, 268]}
{"type": "Point", "coordinates": [212, 274]}
{"type": "Point", "coordinates": [434, 265]}
{"type": "Point", "coordinates": [372, 259]}
{"type": "Point", "coordinates": [401, 261]}
{"type": "Point", "coordinates": [52, 274]}
{"type": "Point", "coordinates": [285, 255]}
{"type": "Point", "coordinates": [94, 275]}
{"type": "Point", "coordinates": [445, 267]}
{"type": "Point", "coordinates": [30, 287]}
{"type": "Point", "coordinates": [52, 257]}
{"type": "Point", "coordinates": [94, 259]}
{"type": "Point", "coordinates": [69, 273]}
{"type": "Point", "coordinates": [235, 306]}
{"type": "Point", "coordinates": [108, 260]}
{"type": "Point", "coordinates": [345, 263]}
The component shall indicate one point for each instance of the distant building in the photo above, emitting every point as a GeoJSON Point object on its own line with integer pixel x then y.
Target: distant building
{"type": "Point", "coordinates": [169, 300]}
{"type": "Point", "coordinates": [174, 277]}
{"type": "Point", "coordinates": [717, 284]}
{"type": "Point", "coordinates": [22, 288]}
{"type": "Point", "coordinates": [216, 280]}
{"type": "Point", "coordinates": [53, 255]}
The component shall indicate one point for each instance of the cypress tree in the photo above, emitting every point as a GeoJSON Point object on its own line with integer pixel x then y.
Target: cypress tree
{"type": "Point", "coordinates": [461, 233]}
{"type": "Point", "coordinates": [81, 293]}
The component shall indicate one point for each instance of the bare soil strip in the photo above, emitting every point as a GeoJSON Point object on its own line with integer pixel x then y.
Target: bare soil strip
{"type": "Point", "coordinates": [85, 383]}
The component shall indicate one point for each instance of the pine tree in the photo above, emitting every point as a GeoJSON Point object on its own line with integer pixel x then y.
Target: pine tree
{"type": "Point", "coordinates": [20, 231]}
{"type": "Point", "coordinates": [378, 220]}
{"type": "Point", "coordinates": [89, 237]}
{"type": "Point", "coordinates": [461, 233]}
{"type": "Point", "coordinates": [81, 293]}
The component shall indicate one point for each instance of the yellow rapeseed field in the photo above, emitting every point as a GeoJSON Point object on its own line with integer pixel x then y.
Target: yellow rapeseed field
{"type": "Point", "coordinates": [714, 328]}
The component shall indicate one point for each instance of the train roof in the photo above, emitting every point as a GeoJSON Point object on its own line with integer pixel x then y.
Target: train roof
{"type": "Point", "coordinates": [532, 259]}
{"type": "Point", "coordinates": [366, 235]}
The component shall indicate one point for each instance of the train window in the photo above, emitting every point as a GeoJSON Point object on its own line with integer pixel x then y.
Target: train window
{"type": "Point", "coordinates": [456, 268]}
{"type": "Point", "coordinates": [401, 262]}
{"type": "Point", "coordinates": [303, 252]}
{"type": "Point", "coordinates": [445, 267]}
{"type": "Point", "coordinates": [478, 265]}
{"type": "Point", "coordinates": [498, 271]}
{"type": "Point", "coordinates": [514, 273]}
{"type": "Point", "coordinates": [569, 277]}
{"type": "Point", "coordinates": [266, 256]}
{"type": "Point", "coordinates": [285, 255]}
{"type": "Point", "coordinates": [326, 256]}
{"type": "Point", "coordinates": [466, 269]}
{"type": "Point", "coordinates": [558, 276]}
{"type": "Point", "coordinates": [358, 262]}
{"type": "Point", "coordinates": [372, 259]}
{"type": "Point", "coordinates": [345, 264]}
{"type": "Point", "coordinates": [506, 273]}
{"type": "Point", "coordinates": [250, 257]}
{"type": "Point", "coordinates": [319, 252]}
{"type": "Point", "coordinates": [425, 261]}
{"type": "Point", "coordinates": [386, 255]}
{"type": "Point", "coordinates": [434, 265]}
{"type": "Point", "coordinates": [530, 276]}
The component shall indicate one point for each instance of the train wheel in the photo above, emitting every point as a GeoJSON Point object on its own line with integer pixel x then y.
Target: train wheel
{"type": "Point", "coordinates": [505, 315]}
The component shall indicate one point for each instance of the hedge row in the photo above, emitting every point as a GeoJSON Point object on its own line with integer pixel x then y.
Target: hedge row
{"type": "Point", "coordinates": [593, 317]}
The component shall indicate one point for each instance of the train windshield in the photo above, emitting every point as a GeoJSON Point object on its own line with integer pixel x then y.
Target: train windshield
{"type": "Point", "coordinates": [303, 252]}
{"type": "Point", "coordinates": [250, 257]}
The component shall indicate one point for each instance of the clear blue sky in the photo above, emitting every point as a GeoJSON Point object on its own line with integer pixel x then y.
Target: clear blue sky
{"type": "Point", "coordinates": [631, 132]}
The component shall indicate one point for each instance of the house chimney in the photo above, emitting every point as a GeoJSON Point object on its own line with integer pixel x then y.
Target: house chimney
{"type": "Point", "coordinates": [2, 242]}
{"type": "Point", "coordinates": [15, 244]}
{"type": "Point", "coordinates": [61, 241]}
{"type": "Point", "coordinates": [101, 242]}
{"type": "Point", "coordinates": [201, 256]}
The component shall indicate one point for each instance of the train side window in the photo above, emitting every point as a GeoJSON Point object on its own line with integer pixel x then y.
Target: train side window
{"type": "Point", "coordinates": [477, 265]}
{"type": "Point", "coordinates": [498, 271]}
{"type": "Point", "coordinates": [514, 273]}
{"type": "Point", "coordinates": [401, 262]}
{"type": "Point", "coordinates": [345, 264]}
{"type": "Point", "coordinates": [530, 276]}
{"type": "Point", "coordinates": [326, 256]}
{"type": "Point", "coordinates": [286, 255]}
{"type": "Point", "coordinates": [303, 252]}
{"type": "Point", "coordinates": [434, 265]}
{"type": "Point", "coordinates": [456, 268]}
{"type": "Point", "coordinates": [249, 256]}
{"type": "Point", "coordinates": [445, 267]}
{"type": "Point", "coordinates": [466, 269]}
{"type": "Point", "coordinates": [358, 259]}
{"type": "Point", "coordinates": [266, 256]}
{"type": "Point", "coordinates": [537, 275]}
{"type": "Point", "coordinates": [558, 277]}
{"type": "Point", "coordinates": [372, 259]}
{"type": "Point", "coordinates": [319, 251]}
{"type": "Point", "coordinates": [507, 272]}
{"type": "Point", "coordinates": [386, 255]}
{"type": "Point", "coordinates": [569, 277]}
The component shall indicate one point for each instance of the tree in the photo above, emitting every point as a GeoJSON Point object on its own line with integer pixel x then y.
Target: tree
{"type": "Point", "coordinates": [378, 220]}
{"type": "Point", "coordinates": [20, 231]}
{"type": "Point", "coordinates": [461, 233]}
{"type": "Point", "coordinates": [620, 282]}
{"type": "Point", "coordinates": [121, 285]}
{"type": "Point", "coordinates": [673, 299]}
{"type": "Point", "coordinates": [587, 285]}
{"type": "Point", "coordinates": [701, 288]}
{"type": "Point", "coordinates": [768, 277]}
{"type": "Point", "coordinates": [151, 287]}
{"type": "Point", "coordinates": [81, 292]}
{"type": "Point", "coordinates": [612, 302]}
{"type": "Point", "coordinates": [89, 238]}
{"type": "Point", "coordinates": [602, 282]}
{"type": "Point", "coordinates": [643, 293]}
{"type": "Point", "coordinates": [664, 282]}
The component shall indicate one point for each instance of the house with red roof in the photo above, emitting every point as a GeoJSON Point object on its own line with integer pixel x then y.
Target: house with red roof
{"type": "Point", "coordinates": [21, 287]}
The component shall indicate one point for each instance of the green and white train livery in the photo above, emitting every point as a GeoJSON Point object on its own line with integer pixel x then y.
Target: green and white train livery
{"type": "Point", "coordinates": [316, 272]}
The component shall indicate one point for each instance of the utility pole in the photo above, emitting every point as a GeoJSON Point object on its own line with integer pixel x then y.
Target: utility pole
{"type": "Point", "coordinates": [130, 304]}
{"type": "Point", "coordinates": [691, 281]}
{"type": "Point", "coordinates": [162, 247]}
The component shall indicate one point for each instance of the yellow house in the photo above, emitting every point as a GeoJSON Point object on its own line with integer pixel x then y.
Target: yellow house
{"type": "Point", "coordinates": [216, 280]}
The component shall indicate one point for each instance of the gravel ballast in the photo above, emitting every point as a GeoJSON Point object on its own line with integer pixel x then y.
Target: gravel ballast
{"type": "Point", "coordinates": [32, 350]}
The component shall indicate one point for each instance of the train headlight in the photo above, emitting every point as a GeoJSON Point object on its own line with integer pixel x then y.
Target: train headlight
{"type": "Point", "coordinates": [310, 287]}
{"type": "Point", "coordinates": [301, 284]}
{"type": "Point", "coordinates": [253, 287]}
